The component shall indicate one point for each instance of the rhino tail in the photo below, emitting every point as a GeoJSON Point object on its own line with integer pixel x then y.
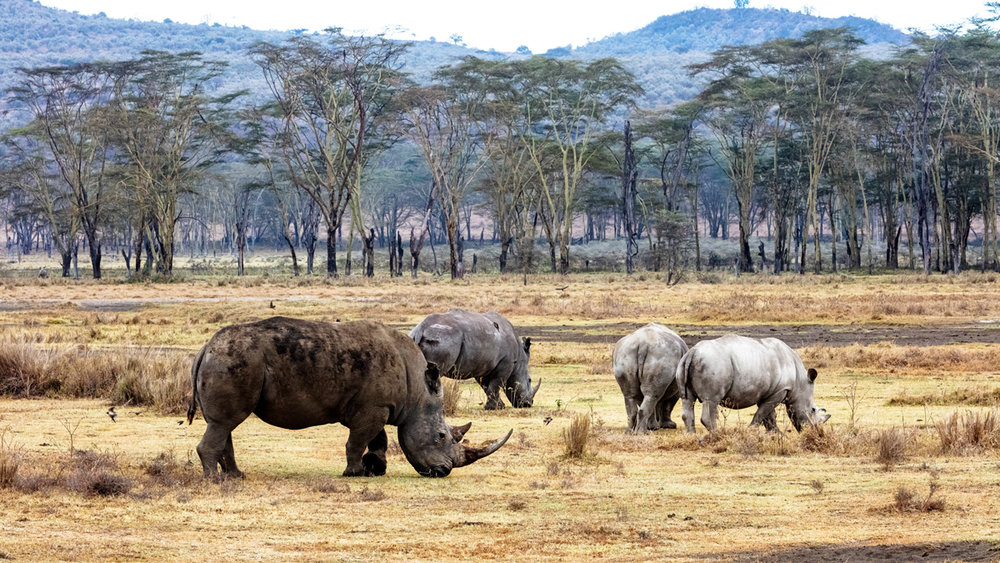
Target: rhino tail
{"type": "Point", "coordinates": [195, 367]}
{"type": "Point", "coordinates": [683, 377]}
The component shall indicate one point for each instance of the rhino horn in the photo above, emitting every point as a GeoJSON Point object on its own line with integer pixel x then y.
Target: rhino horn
{"type": "Point", "coordinates": [458, 432]}
{"type": "Point", "coordinates": [470, 455]}
{"type": "Point", "coordinates": [535, 390]}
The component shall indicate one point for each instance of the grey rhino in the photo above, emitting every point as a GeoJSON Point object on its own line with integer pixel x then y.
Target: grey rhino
{"type": "Point", "coordinates": [480, 346]}
{"type": "Point", "coordinates": [645, 364]}
{"type": "Point", "coordinates": [295, 373]}
{"type": "Point", "coordinates": [738, 372]}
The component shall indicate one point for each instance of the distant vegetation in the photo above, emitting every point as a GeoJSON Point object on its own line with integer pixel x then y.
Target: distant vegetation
{"type": "Point", "coordinates": [190, 138]}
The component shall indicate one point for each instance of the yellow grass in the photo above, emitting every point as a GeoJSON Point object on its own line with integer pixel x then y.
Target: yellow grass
{"type": "Point", "coordinates": [739, 494]}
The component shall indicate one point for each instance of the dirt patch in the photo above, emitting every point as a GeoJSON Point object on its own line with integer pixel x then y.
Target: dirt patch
{"type": "Point", "coordinates": [945, 551]}
{"type": "Point", "coordinates": [795, 336]}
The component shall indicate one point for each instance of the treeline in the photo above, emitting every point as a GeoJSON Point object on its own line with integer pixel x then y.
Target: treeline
{"type": "Point", "coordinates": [792, 137]}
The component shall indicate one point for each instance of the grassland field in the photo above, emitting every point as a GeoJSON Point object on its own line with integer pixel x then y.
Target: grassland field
{"type": "Point", "coordinates": [906, 469]}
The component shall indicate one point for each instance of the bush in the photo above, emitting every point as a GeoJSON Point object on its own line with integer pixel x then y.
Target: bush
{"type": "Point", "coordinates": [10, 460]}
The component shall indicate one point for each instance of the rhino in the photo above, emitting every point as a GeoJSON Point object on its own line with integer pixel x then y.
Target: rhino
{"type": "Point", "coordinates": [645, 364]}
{"type": "Point", "coordinates": [480, 346]}
{"type": "Point", "coordinates": [295, 373]}
{"type": "Point", "coordinates": [738, 372]}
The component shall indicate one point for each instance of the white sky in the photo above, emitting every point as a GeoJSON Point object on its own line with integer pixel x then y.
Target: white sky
{"type": "Point", "coordinates": [499, 24]}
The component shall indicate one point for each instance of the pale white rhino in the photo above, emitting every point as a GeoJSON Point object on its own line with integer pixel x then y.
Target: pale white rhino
{"type": "Point", "coordinates": [645, 363]}
{"type": "Point", "coordinates": [739, 372]}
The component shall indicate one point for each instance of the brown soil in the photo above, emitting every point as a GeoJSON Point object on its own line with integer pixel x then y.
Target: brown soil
{"type": "Point", "coordinates": [795, 336]}
{"type": "Point", "coordinates": [946, 551]}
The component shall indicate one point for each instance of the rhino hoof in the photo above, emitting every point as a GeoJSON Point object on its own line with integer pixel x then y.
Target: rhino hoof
{"type": "Point", "coordinates": [669, 424]}
{"type": "Point", "coordinates": [374, 465]}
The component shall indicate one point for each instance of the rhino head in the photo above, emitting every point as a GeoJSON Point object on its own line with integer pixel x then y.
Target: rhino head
{"type": "Point", "coordinates": [801, 408]}
{"type": "Point", "coordinates": [518, 389]}
{"type": "Point", "coordinates": [431, 446]}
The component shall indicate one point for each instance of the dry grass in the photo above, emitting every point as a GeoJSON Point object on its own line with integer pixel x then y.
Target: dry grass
{"type": "Point", "coordinates": [452, 391]}
{"type": "Point", "coordinates": [976, 395]}
{"type": "Point", "coordinates": [892, 446]}
{"type": "Point", "coordinates": [665, 495]}
{"type": "Point", "coordinates": [576, 436]}
{"type": "Point", "coordinates": [128, 376]}
{"type": "Point", "coordinates": [906, 500]}
{"type": "Point", "coordinates": [969, 431]}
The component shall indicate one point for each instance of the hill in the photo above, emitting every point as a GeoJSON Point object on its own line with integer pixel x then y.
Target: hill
{"type": "Point", "coordinates": [36, 35]}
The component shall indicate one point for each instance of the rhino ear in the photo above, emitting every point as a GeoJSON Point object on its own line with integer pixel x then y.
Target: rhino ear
{"type": "Point", "coordinates": [812, 375]}
{"type": "Point", "coordinates": [433, 377]}
{"type": "Point", "coordinates": [458, 432]}
{"type": "Point", "coordinates": [527, 344]}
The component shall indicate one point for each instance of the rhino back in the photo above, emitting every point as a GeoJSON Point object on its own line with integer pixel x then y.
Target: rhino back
{"type": "Point", "coordinates": [652, 351]}
{"type": "Point", "coordinates": [463, 344]}
{"type": "Point", "coordinates": [294, 373]}
{"type": "Point", "coordinates": [736, 371]}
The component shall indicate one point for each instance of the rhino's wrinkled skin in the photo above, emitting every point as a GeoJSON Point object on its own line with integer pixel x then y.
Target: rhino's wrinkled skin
{"type": "Point", "coordinates": [294, 374]}
{"type": "Point", "coordinates": [480, 346]}
{"type": "Point", "coordinates": [645, 364]}
{"type": "Point", "coordinates": [738, 372]}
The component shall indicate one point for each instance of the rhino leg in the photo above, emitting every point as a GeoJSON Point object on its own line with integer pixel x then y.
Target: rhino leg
{"type": "Point", "coordinates": [632, 411]}
{"type": "Point", "coordinates": [492, 386]}
{"type": "Point", "coordinates": [765, 411]}
{"type": "Point", "coordinates": [216, 450]}
{"type": "Point", "coordinates": [664, 408]}
{"type": "Point", "coordinates": [365, 428]}
{"type": "Point", "coordinates": [709, 414]}
{"type": "Point", "coordinates": [374, 460]}
{"type": "Point", "coordinates": [687, 414]}
{"type": "Point", "coordinates": [646, 418]}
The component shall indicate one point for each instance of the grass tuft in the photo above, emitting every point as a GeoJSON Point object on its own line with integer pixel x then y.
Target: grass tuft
{"type": "Point", "coordinates": [452, 391]}
{"type": "Point", "coordinates": [576, 436]}
{"type": "Point", "coordinates": [891, 447]}
{"type": "Point", "coordinates": [969, 431]}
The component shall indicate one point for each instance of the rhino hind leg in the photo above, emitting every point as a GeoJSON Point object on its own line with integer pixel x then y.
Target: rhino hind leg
{"type": "Point", "coordinates": [709, 414]}
{"type": "Point", "coordinates": [687, 414]}
{"type": "Point", "coordinates": [632, 411]}
{"type": "Point", "coordinates": [663, 410]}
{"type": "Point", "coordinates": [216, 451]}
{"type": "Point", "coordinates": [374, 461]}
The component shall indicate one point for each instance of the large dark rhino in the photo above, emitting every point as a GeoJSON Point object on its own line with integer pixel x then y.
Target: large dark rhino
{"type": "Point", "coordinates": [479, 346]}
{"type": "Point", "coordinates": [294, 374]}
{"type": "Point", "coordinates": [645, 363]}
{"type": "Point", "coordinates": [738, 372]}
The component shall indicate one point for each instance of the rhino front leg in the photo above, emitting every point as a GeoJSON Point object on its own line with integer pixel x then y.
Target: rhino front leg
{"type": "Point", "coordinates": [765, 411]}
{"type": "Point", "coordinates": [365, 428]}
{"type": "Point", "coordinates": [374, 460]}
{"type": "Point", "coordinates": [492, 387]}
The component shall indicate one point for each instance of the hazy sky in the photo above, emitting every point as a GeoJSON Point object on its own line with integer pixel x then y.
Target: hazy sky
{"type": "Point", "coordinates": [502, 25]}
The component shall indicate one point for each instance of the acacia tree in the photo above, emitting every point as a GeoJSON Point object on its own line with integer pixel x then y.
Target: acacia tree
{"type": "Point", "coordinates": [447, 121]}
{"type": "Point", "coordinates": [736, 106]}
{"type": "Point", "coordinates": [166, 131]}
{"type": "Point", "coordinates": [331, 96]}
{"type": "Point", "coordinates": [565, 104]}
{"type": "Point", "coordinates": [66, 104]}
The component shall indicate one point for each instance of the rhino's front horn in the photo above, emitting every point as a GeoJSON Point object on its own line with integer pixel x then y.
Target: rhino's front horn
{"type": "Point", "coordinates": [470, 455]}
{"type": "Point", "coordinates": [535, 390]}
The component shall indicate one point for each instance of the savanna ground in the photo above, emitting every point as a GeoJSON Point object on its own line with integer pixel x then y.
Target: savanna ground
{"type": "Point", "coordinates": [906, 469]}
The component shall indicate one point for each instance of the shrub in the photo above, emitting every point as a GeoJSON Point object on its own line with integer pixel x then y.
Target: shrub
{"type": "Point", "coordinates": [577, 435]}
{"type": "Point", "coordinates": [24, 369]}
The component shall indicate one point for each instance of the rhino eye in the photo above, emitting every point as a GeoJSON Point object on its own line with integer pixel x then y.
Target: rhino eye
{"type": "Point", "coordinates": [441, 436]}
